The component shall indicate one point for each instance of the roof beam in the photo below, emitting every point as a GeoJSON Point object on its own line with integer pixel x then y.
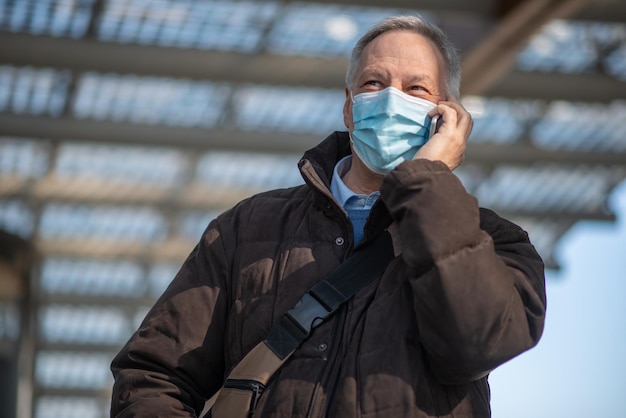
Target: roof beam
{"type": "Point", "coordinates": [495, 56]}
{"type": "Point", "coordinates": [597, 10]}
{"type": "Point", "coordinates": [231, 67]}
{"type": "Point", "coordinates": [478, 7]}
{"type": "Point", "coordinates": [68, 129]}
{"type": "Point", "coordinates": [103, 395]}
{"type": "Point", "coordinates": [609, 11]}
{"type": "Point", "coordinates": [84, 130]}
{"type": "Point", "coordinates": [553, 215]}
{"type": "Point", "coordinates": [218, 200]}
{"type": "Point", "coordinates": [108, 57]}
{"type": "Point", "coordinates": [176, 253]}
{"type": "Point", "coordinates": [583, 87]}
{"type": "Point", "coordinates": [523, 153]}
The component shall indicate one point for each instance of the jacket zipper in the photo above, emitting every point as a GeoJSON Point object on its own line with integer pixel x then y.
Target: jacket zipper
{"type": "Point", "coordinates": [332, 357]}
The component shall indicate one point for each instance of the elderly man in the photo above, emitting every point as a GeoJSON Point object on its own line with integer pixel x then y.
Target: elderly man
{"type": "Point", "coordinates": [463, 293]}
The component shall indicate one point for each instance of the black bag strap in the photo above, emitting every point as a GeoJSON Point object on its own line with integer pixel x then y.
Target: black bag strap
{"type": "Point", "coordinates": [325, 297]}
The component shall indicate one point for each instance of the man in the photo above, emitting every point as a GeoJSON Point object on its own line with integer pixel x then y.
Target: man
{"type": "Point", "coordinates": [464, 293]}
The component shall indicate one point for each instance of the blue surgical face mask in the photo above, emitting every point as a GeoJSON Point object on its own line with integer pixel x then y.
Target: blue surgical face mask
{"type": "Point", "coordinates": [389, 127]}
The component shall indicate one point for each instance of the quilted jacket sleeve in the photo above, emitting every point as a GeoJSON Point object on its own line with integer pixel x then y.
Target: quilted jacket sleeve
{"type": "Point", "coordinates": [167, 368]}
{"type": "Point", "coordinates": [478, 283]}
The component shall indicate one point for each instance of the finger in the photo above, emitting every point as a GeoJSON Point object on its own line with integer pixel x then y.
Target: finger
{"type": "Point", "coordinates": [462, 119]}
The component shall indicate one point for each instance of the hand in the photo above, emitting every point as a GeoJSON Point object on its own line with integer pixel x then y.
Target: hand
{"type": "Point", "coordinates": [448, 144]}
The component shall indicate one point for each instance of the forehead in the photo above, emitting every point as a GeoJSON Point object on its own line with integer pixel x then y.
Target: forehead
{"type": "Point", "coordinates": [402, 51]}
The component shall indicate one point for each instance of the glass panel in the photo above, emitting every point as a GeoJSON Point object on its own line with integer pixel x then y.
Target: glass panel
{"type": "Point", "coordinates": [39, 92]}
{"type": "Point", "coordinates": [17, 217]}
{"type": "Point", "coordinates": [85, 325]}
{"type": "Point", "coordinates": [92, 277]}
{"type": "Point", "coordinates": [46, 17]}
{"type": "Point", "coordinates": [575, 47]}
{"type": "Point", "coordinates": [70, 407]}
{"type": "Point", "coordinates": [324, 30]}
{"type": "Point", "coordinates": [22, 157]}
{"type": "Point", "coordinates": [73, 370]}
{"type": "Point", "coordinates": [543, 188]}
{"type": "Point", "coordinates": [499, 120]}
{"type": "Point", "coordinates": [287, 109]}
{"type": "Point", "coordinates": [9, 321]}
{"type": "Point", "coordinates": [249, 171]}
{"type": "Point", "coordinates": [151, 165]}
{"type": "Point", "coordinates": [582, 127]}
{"type": "Point", "coordinates": [98, 222]}
{"type": "Point", "coordinates": [615, 62]}
{"type": "Point", "coordinates": [149, 100]}
{"type": "Point", "coordinates": [206, 24]}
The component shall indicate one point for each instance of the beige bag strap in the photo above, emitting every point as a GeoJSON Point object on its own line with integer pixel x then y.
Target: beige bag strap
{"type": "Point", "coordinates": [257, 366]}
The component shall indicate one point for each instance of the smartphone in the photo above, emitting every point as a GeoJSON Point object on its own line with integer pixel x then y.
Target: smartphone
{"type": "Point", "coordinates": [435, 123]}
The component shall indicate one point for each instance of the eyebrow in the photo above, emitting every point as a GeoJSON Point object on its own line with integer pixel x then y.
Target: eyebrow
{"type": "Point", "coordinates": [374, 72]}
{"type": "Point", "coordinates": [422, 77]}
{"type": "Point", "coordinates": [379, 74]}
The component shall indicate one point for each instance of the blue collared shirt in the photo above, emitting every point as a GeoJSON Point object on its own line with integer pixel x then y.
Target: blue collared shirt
{"type": "Point", "coordinates": [357, 205]}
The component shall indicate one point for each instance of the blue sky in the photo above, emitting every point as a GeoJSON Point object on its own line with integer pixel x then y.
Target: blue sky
{"type": "Point", "coordinates": [578, 370]}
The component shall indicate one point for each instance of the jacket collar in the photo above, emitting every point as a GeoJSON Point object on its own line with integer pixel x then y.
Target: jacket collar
{"type": "Point", "coordinates": [318, 163]}
{"type": "Point", "coordinates": [324, 156]}
{"type": "Point", "coordinates": [317, 166]}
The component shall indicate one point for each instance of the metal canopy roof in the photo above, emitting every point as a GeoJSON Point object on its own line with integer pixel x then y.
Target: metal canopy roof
{"type": "Point", "coordinates": [126, 125]}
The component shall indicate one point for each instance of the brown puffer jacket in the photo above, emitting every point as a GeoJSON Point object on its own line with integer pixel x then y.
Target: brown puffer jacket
{"type": "Point", "coordinates": [465, 295]}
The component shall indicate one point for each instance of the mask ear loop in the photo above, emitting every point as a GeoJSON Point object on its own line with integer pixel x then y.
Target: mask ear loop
{"type": "Point", "coordinates": [352, 146]}
{"type": "Point", "coordinates": [350, 133]}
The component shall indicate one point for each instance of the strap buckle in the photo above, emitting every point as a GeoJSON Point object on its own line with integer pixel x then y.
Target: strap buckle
{"type": "Point", "coordinates": [296, 325]}
{"type": "Point", "coordinates": [308, 313]}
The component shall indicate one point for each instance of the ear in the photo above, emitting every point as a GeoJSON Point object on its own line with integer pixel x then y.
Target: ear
{"type": "Point", "coordinates": [347, 111]}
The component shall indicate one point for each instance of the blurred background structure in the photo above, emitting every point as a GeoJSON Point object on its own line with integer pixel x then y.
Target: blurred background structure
{"type": "Point", "coordinates": [126, 125]}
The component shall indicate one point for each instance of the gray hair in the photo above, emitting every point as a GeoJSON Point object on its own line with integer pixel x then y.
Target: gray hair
{"type": "Point", "coordinates": [422, 27]}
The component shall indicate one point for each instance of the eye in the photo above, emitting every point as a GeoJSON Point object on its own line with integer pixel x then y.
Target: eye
{"type": "Point", "coordinates": [372, 84]}
{"type": "Point", "coordinates": [418, 88]}
{"type": "Point", "coordinates": [418, 91]}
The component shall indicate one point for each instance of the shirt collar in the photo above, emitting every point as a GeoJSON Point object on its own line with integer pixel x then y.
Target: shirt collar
{"type": "Point", "coordinates": [338, 188]}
